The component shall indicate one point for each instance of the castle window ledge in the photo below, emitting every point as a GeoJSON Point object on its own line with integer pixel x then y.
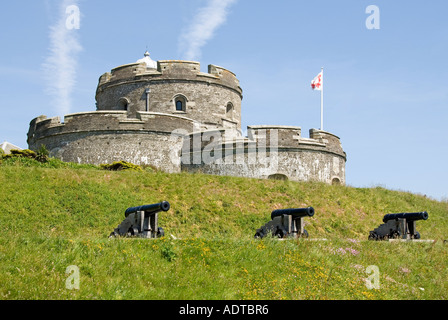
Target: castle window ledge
{"type": "Point", "coordinates": [179, 112]}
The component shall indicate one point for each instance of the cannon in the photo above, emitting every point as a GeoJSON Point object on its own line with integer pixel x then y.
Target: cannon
{"type": "Point", "coordinates": [398, 226]}
{"type": "Point", "coordinates": [286, 223]}
{"type": "Point", "coordinates": [142, 221]}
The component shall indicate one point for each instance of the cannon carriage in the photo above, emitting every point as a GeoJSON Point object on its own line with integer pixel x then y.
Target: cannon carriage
{"type": "Point", "coordinates": [286, 223]}
{"type": "Point", "coordinates": [398, 226]}
{"type": "Point", "coordinates": [142, 221]}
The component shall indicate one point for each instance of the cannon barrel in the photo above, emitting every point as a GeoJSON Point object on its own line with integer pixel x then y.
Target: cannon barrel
{"type": "Point", "coordinates": [409, 216]}
{"type": "Point", "coordinates": [297, 212]}
{"type": "Point", "coordinates": [150, 208]}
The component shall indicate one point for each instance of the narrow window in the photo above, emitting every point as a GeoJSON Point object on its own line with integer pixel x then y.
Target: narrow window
{"type": "Point", "coordinates": [229, 110]}
{"type": "Point", "coordinates": [180, 103]}
{"type": "Point", "coordinates": [123, 104]}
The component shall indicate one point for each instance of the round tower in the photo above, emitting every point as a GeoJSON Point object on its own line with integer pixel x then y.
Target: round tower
{"type": "Point", "coordinates": [174, 87]}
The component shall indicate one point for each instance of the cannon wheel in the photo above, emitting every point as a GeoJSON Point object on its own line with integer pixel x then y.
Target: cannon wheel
{"type": "Point", "coordinates": [132, 231]}
{"type": "Point", "coordinates": [373, 236]}
{"type": "Point", "coordinates": [160, 232]}
{"type": "Point", "coordinates": [113, 234]}
{"type": "Point", "coordinates": [417, 235]}
{"type": "Point", "coordinates": [279, 233]}
{"type": "Point", "coordinates": [304, 234]}
{"type": "Point", "coordinates": [394, 235]}
{"type": "Point", "coordinates": [259, 235]}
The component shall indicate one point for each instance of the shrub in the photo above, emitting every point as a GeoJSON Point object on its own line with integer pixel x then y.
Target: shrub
{"type": "Point", "coordinates": [42, 154]}
{"type": "Point", "coordinates": [121, 165]}
{"type": "Point", "coordinates": [27, 153]}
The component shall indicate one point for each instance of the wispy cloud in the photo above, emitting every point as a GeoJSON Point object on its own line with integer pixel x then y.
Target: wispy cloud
{"type": "Point", "coordinates": [61, 64]}
{"type": "Point", "coordinates": [206, 21]}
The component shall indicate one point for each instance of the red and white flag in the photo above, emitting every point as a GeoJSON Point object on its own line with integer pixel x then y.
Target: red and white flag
{"type": "Point", "coordinates": [318, 82]}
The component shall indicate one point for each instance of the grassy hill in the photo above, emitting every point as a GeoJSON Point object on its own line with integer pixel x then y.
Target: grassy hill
{"type": "Point", "coordinates": [55, 215]}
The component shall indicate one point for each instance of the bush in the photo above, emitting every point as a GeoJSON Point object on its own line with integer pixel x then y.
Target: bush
{"type": "Point", "coordinates": [41, 155]}
{"type": "Point", "coordinates": [121, 165]}
{"type": "Point", "coordinates": [22, 153]}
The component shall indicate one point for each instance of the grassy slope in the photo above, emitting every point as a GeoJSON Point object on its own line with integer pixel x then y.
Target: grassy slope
{"type": "Point", "coordinates": [54, 218]}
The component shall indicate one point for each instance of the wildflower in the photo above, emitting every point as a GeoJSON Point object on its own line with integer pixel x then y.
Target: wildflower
{"type": "Point", "coordinates": [352, 251]}
{"type": "Point", "coordinates": [405, 270]}
{"type": "Point", "coordinates": [358, 266]}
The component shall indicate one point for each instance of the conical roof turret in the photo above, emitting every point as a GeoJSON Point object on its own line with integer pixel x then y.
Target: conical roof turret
{"type": "Point", "coordinates": [150, 64]}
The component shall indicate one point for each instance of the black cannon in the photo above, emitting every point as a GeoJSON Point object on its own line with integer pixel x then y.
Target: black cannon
{"type": "Point", "coordinates": [398, 226]}
{"type": "Point", "coordinates": [410, 216]}
{"type": "Point", "coordinates": [286, 223]}
{"type": "Point", "coordinates": [142, 221]}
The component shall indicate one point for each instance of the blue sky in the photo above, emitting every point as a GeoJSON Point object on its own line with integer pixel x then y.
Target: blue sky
{"type": "Point", "coordinates": [386, 89]}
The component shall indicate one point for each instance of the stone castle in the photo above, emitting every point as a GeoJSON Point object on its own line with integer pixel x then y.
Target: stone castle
{"type": "Point", "coordinates": [170, 115]}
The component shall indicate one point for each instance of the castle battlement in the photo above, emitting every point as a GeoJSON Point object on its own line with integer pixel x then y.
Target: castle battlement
{"type": "Point", "coordinates": [277, 152]}
{"type": "Point", "coordinates": [170, 70]}
{"type": "Point", "coordinates": [277, 138]}
{"type": "Point", "coordinates": [43, 128]}
{"type": "Point", "coordinates": [173, 87]}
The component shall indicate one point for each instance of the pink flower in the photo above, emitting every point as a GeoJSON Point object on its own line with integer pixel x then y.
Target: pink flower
{"type": "Point", "coordinates": [352, 251]}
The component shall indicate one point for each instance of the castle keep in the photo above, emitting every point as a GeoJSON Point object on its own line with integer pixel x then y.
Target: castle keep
{"type": "Point", "coordinates": [172, 116]}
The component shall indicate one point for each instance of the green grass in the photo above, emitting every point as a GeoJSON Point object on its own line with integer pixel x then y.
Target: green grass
{"type": "Point", "coordinates": [54, 215]}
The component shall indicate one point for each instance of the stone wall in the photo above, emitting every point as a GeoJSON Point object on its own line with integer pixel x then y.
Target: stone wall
{"type": "Point", "coordinates": [105, 137]}
{"type": "Point", "coordinates": [294, 165]}
{"type": "Point", "coordinates": [207, 95]}
{"type": "Point", "coordinates": [268, 152]}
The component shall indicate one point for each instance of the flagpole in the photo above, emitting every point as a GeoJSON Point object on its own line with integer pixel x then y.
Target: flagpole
{"type": "Point", "coordinates": [322, 103]}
